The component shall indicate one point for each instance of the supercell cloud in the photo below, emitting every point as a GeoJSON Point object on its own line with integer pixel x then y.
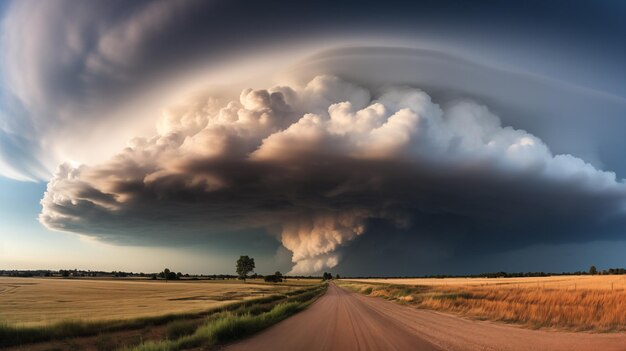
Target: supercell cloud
{"type": "Point", "coordinates": [316, 164]}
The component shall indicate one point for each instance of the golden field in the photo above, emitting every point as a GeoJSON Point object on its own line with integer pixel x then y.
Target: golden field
{"type": "Point", "coordinates": [39, 301]}
{"type": "Point", "coordinates": [572, 282]}
{"type": "Point", "coordinates": [580, 303]}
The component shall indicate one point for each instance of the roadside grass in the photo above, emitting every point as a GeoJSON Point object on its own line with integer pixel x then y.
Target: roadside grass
{"type": "Point", "coordinates": [235, 324]}
{"type": "Point", "coordinates": [594, 310]}
{"type": "Point", "coordinates": [179, 328]}
{"type": "Point", "coordinates": [13, 335]}
{"type": "Point", "coordinates": [228, 326]}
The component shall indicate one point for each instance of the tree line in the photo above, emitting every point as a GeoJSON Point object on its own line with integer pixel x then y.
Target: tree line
{"type": "Point", "coordinates": [591, 271]}
{"type": "Point", "coordinates": [246, 265]}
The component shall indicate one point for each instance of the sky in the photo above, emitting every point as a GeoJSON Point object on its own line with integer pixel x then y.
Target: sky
{"type": "Point", "coordinates": [362, 138]}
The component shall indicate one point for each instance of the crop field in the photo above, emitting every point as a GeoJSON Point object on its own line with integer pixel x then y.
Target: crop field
{"type": "Point", "coordinates": [578, 303]}
{"type": "Point", "coordinates": [90, 314]}
{"type": "Point", "coordinates": [593, 282]}
{"type": "Point", "coordinates": [31, 301]}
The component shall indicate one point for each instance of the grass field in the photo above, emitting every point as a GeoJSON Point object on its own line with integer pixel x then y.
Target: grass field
{"type": "Point", "coordinates": [580, 303]}
{"type": "Point", "coordinates": [238, 307]}
{"type": "Point", "coordinates": [594, 282]}
{"type": "Point", "coordinates": [30, 302]}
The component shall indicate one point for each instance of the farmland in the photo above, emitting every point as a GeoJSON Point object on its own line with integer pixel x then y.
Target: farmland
{"type": "Point", "coordinates": [27, 301]}
{"type": "Point", "coordinates": [577, 303]}
{"type": "Point", "coordinates": [85, 314]}
{"type": "Point", "coordinates": [570, 282]}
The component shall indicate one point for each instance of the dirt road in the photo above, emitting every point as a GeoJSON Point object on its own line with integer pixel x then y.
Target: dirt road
{"type": "Point", "coordinates": [344, 321]}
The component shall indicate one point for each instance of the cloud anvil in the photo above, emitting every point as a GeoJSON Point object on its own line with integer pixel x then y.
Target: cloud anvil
{"type": "Point", "coordinates": [322, 159]}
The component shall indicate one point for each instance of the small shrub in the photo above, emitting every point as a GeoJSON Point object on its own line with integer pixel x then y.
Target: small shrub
{"type": "Point", "coordinates": [180, 328]}
{"type": "Point", "coordinates": [273, 278]}
{"type": "Point", "coordinates": [407, 298]}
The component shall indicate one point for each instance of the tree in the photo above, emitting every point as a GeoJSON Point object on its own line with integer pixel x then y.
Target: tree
{"type": "Point", "coordinates": [337, 276]}
{"type": "Point", "coordinates": [166, 274]}
{"type": "Point", "coordinates": [593, 270]}
{"type": "Point", "coordinates": [274, 278]}
{"type": "Point", "coordinates": [327, 276]}
{"type": "Point", "coordinates": [245, 265]}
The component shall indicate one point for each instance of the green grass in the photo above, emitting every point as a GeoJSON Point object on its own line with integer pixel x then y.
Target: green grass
{"type": "Point", "coordinates": [179, 328]}
{"type": "Point", "coordinates": [227, 327]}
{"type": "Point", "coordinates": [234, 324]}
{"type": "Point", "coordinates": [12, 335]}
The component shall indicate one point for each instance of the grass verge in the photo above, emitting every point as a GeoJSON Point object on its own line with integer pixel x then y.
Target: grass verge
{"type": "Point", "coordinates": [235, 324]}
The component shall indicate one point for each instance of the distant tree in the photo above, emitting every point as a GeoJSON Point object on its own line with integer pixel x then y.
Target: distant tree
{"type": "Point", "coordinates": [245, 265]}
{"type": "Point", "coordinates": [179, 275]}
{"type": "Point", "coordinates": [337, 276]}
{"type": "Point", "coordinates": [166, 274]}
{"type": "Point", "coordinates": [274, 278]}
{"type": "Point", "coordinates": [593, 270]}
{"type": "Point", "coordinates": [327, 276]}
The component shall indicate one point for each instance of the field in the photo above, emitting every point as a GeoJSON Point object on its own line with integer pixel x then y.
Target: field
{"type": "Point", "coordinates": [40, 314]}
{"type": "Point", "coordinates": [28, 301]}
{"type": "Point", "coordinates": [594, 282]}
{"type": "Point", "coordinates": [577, 303]}
{"type": "Point", "coordinates": [83, 314]}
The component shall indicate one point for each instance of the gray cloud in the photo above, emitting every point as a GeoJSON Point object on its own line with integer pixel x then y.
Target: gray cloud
{"type": "Point", "coordinates": [68, 66]}
{"type": "Point", "coordinates": [317, 164]}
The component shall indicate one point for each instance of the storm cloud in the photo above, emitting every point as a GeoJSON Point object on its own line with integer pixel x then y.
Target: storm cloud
{"type": "Point", "coordinates": [75, 72]}
{"type": "Point", "coordinates": [317, 164]}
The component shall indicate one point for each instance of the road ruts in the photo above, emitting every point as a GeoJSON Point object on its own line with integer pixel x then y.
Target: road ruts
{"type": "Point", "coordinates": [337, 321]}
{"type": "Point", "coordinates": [345, 321]}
